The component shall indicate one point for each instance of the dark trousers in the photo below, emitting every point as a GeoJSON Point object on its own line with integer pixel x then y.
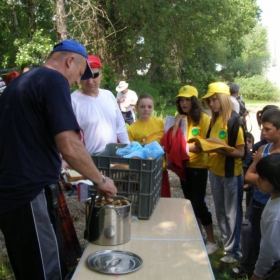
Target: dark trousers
{"type": "Point", "coordinates": [128, 117]}
{"type": "Point", "coordinates": [52, 197]}
{"type": "Point", "coordinates": [251, 238]}
{"type": "Point", "coordinates": [194, 189]}
{"type": "Point", "coordinates": [31, 241]}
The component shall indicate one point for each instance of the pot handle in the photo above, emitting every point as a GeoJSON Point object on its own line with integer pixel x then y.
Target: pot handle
{"type": "Point", "coordinates": [92, 204]}
{"type": "Point", "coordinates": [114, 262]}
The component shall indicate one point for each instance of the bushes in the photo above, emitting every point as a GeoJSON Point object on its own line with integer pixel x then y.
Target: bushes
{"type": "Point", "coordinates": [163, 94]}
{"type": "Point", "coordinates": [258, 88]}
{"type": "Point", "coordinates": [143, 85]}
{"type": "Point", "coordinates": [108, 78]}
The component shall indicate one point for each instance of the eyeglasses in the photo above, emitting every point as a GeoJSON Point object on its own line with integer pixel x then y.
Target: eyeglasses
{"type": "Point", "coordinates": [95, 75]}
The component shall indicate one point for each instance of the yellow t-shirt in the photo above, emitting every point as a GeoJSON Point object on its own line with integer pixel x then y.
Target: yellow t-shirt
{"type": "Point", "coordinates": [138, 131]}
{"type": "Point", "coordinates": [216, 162]}
{"type": "Point", "coordinates": [198, 160]}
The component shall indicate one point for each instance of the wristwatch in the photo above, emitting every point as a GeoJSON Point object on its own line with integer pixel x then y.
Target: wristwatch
{"type": "Point", "coordinates": [102, 182]}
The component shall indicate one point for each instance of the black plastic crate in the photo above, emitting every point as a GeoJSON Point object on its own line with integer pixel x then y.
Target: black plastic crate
{"type": "Point", "coordinates": [140, 181]}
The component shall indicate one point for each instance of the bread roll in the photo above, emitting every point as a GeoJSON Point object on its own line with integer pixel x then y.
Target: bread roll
{"type": "Point", "coordinates": [119, 166]}
{"type": "Point", "coordinates": [73, 175]}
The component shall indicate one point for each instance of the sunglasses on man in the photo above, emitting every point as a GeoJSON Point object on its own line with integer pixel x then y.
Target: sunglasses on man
{"type": "Point", "coordinates": [95, 75]}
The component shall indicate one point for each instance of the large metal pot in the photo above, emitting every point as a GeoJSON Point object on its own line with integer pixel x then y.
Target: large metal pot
{"type": "Point", "coordinates": [108, 224]}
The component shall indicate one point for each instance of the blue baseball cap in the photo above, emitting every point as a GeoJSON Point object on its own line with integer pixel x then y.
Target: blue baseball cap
{"type": "Point", "coordinates": [74, 46]}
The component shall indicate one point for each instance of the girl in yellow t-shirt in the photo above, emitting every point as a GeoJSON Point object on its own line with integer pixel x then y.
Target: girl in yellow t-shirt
{"type": "Point", "coordinates": [148, 129]}
{"type": "Point", "coordinates": [225, 168]}
{"type": "Point", "coordinates": [196, 173]}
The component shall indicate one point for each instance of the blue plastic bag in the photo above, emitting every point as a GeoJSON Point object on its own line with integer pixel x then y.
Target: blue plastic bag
{"type": "Point", "coordinates": [153, 150]}
{"type": "Point", "coordinates": [133, 146]}
{"type": "Point", "coordinates": [134, 149]}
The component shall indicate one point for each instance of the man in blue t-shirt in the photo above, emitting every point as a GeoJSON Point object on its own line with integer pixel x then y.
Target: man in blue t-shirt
{"type": "Point", "coordinates": [37, 124]}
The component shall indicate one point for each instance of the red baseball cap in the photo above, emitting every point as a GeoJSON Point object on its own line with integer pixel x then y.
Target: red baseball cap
{"type": "Point", "coordinates": [94, 61]}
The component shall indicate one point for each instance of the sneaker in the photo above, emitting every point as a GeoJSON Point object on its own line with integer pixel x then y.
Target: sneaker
{"type": "Point", "coordinates": [204, 237]}
{"type": "Point", "coordinates": [239, 273]}
{"type": "Point", "coordinates": [211, 247]}
{"type": "Point", "coordinates": [73, 193]}
{"type": "Point", "coordinates": [228, 259]}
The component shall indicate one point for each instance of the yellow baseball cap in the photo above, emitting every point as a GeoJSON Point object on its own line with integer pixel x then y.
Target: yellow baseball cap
{"type": "Point", "coordinates": [187, 91]}
{"type": "Point", "coordinates": [214, 88]}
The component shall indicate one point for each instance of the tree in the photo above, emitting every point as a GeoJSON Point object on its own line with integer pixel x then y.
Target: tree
{"type": "Point", "coordinates": [175, 32]}
{"type": "Point", "coordinates": [35, 51]}
{"type": "Point", "coordinates": [256, 54]}
{"type": "Point", "coordinates": [61, 27]}
{"type": "Point", "coordinates": [20, 20]}
{"type": "Point", "coordinates": [254, 57]}
{"type": "Point", "coordinates": [178, 39]}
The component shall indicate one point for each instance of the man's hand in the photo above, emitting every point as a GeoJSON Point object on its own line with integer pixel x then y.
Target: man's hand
{"type": "Point", "coordinates": [108, 188]}
{"type": "Point", "coordinates": [75, 154]}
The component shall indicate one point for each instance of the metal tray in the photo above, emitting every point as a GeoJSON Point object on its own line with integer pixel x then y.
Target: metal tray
{"type": "Point", "coordinates": [114, 261]}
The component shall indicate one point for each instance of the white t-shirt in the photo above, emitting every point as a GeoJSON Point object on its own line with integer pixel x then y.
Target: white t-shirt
{"type": "Point", "coordinates": [100, 120]}
{"type": "Point", "coordinates": [127, 98]}
{"type": "Point", "coordinates": [236, 105]}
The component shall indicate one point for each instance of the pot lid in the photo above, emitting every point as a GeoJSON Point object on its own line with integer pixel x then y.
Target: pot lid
{"type": "Point", "coordinates": [114, 261]}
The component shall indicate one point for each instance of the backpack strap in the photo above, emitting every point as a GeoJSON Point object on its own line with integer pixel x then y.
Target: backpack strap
{"type": "Point", "coordinates": [233, 127]}
{"type": "Point", "coordinates": [209, 131]}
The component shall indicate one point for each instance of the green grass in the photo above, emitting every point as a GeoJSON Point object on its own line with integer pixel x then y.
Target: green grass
{"type": "Point", "coordinates": [222, 271]}
{"type": "Point", "coordinates": [6, 272]}
{"type": "Point", "coordinates": [261, 102]}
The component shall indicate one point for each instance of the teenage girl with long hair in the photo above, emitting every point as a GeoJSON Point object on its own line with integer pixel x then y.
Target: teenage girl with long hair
{"type": "Point", "coordinates": [225, 168]}
{"type": "Point", "coordinates": [194, 185]}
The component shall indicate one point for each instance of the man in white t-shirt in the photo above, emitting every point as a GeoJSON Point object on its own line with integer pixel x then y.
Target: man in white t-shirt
{"type": "Point", "coordinates": [234, 90]}
{"type": "Point", "coordinates": [236, 97]}
{"type": "Point", "coordinates": [127, 100]}
{"type": "Point", "coordinates": [97, 112]}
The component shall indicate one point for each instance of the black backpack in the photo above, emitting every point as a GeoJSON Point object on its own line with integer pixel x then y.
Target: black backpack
{"type": "Point", "coordinates": [242, 105]}
{"type": "Point", "coordinates": [233, 126]}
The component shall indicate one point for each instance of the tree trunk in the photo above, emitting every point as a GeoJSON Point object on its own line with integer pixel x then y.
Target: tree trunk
{"type": "Point", "coordinates": [61, 29]}
{"type": "Point", "coordinates": [14, 14]}
{"type": "Point", "coordinates": [31, 15]}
